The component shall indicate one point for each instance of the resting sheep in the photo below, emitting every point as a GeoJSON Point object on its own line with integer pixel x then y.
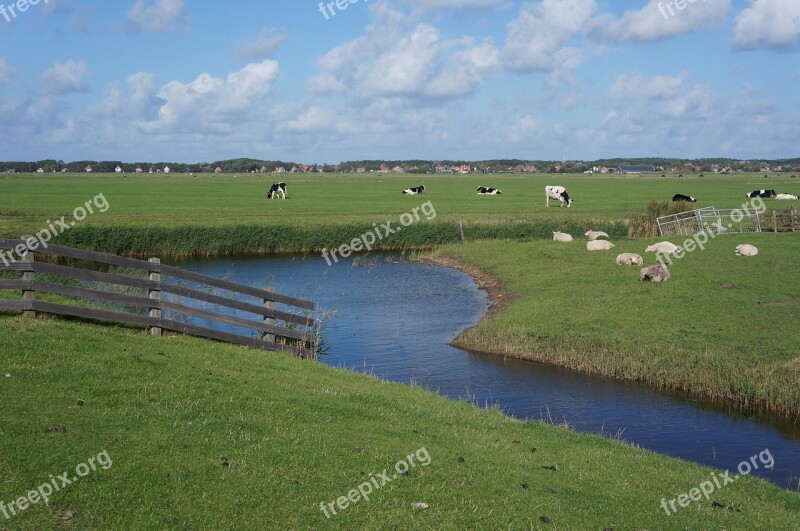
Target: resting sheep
{"type": "Point", "coordinates": [656, 273]}
{"type": "Point", "coordinates": [561, 237]}
{"type": "Point", "coordinates": [629, 259]}
{"type": "Point", "coordinates": [662, 248]}
{"type": "Point", "coordinates": [592, 235]}
{"type": "Point", "coordinates": [599, 245]}
{"type": "Point", "coordinates": [746, 250]}
{"type": "Point", "coordinates": [786, 197]}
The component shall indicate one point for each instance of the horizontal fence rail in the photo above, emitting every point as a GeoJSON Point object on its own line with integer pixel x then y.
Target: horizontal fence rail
{"type": "Point", "coordinates": [158, 302]}
{"type": "Point", "coordinates": [727, 221]}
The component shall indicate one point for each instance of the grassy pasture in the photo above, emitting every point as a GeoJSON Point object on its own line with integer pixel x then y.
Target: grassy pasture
{"type": "Point", "coordinates": [210, 436]}
{"type": "Point", "coordinates": [724, 327]}
{"type": "Point", "coordinates": [27, 201]}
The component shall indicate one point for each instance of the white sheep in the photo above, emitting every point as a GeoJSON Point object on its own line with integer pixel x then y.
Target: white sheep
{"type": "Point", "coordinates": [746, 250]}
{"type": "Point", "coordinates": [662, 248]}
{"type": "Point", "coordinates": [629, 259]}
{"type": "Point", "coordinates": [786, 197]}
{"type": "Point", "coordinates": [656, 273]}
{"type": "Point", "coordinates": [561, 237]}
{"type": "Point", "coordinates": [599, 245]}
{"type": "Point", "coordinates": [593, 235]}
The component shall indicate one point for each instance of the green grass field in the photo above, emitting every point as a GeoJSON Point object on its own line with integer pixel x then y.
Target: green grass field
{"type": "Point", "coordinates": [27, 201]}
{"type": "Point", "coordinates": [205, 435]}
{"type": "Point", "coordinates": [724, 327]}
{"type": "Point", "coordinates": [209, 436]}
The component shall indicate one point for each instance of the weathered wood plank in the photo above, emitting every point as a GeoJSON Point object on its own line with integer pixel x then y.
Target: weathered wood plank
{"type": "Point", "coordinates": [239, 288]}
{"type": "Point", "coordinates": [86, 274]}
{"type": "Point", "coordinates": [233, 321]}
{"type": "Point", "coordinates": [93, 313]}
{"type": "Point", "coordinates": [16, 305]}
{"type": "Point", "coordinates": [237, 305]}
{"type": "Point", "coordinates": [228, 337]}
{"type": "Point", "coordinates": [91, 294]}
{"type": "Point", "coordinates": [105, 258]}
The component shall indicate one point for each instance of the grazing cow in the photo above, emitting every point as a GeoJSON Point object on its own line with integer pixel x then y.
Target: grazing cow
{"type": "Point", "coordinates": [656, 273]}
{"type": "Point", "coordinates": [599, 245]}
{"type": "Point", "coordinates": [483, 190]}
{"type": "Point", "coordinates": [629, 259]}
{"type": "Point", "coordinates": [557, 192]}
{"type": "Point", "coordinates": [746, 250]}
{"type": "Point", "coordinates": [561, 237]}
{"type": "Point", "coordinates": [680, 197]}
{"type": "Point", "coordinates": [762, 193]}
{"type": "Point", "coordinates": [594, 234]}
{"type": "Point", "coordinates": [415, 190]}
{"type": "Point", "coordinates": [662, 248]}
{"type": "Point", "coordinates": [786, 197]}
{"type": "Point", "coordinates": [277, 189]}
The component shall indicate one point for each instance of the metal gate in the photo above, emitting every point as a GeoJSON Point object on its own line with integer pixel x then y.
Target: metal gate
{"type": "Point", "coordinates": [709, 219]}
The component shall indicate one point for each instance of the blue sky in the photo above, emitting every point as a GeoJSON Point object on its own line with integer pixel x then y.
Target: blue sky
{"type": "Point", "coordinates": [191, 81]}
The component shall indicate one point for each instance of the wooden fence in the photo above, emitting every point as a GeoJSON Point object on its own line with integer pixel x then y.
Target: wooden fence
{"type": "Point", "coordinates": [276, 329]}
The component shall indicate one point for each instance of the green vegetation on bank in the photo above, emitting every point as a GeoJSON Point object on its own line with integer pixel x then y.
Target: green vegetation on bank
{"type": "Point", "coordinates": [210, 436]}
{"type": "Point", "coordinates": [724, 327]}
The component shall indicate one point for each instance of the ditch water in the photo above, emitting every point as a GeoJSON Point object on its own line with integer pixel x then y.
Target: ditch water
{"type": "Point", "coordinates": [395, 319]}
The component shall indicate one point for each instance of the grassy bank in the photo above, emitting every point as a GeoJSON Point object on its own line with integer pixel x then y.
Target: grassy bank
{"type": "Point", "coordinates": [210, 436]}
{"type": "Point", "coordinates": [724, 327]}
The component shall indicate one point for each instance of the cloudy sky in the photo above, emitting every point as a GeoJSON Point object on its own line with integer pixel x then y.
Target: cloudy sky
{"type": "Point", "coordinates": [191, 81]}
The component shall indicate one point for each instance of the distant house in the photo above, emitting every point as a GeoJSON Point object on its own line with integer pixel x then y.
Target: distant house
{"type": "Point", "coordinates": [361, 169]}
{"type": "Point", "coordinates": [166, 169]}
{"type": "Point", "coordinates": [465, 168]}
{"type": "Point", "coordinates": [139, 169]}
{"type": "Point", "coordinates": [280, 169]}
{"type": "Point", "coordinates": [218, 170]}
{"type": "Point", "coordinates": [118, 169]}
{"type": "Point", "coordinates": [63, 170]}
{"type": "Point", "coordinates": [40, 170]}
{"type": "Point", "coordinates": [88, 169]}
{"type": "Point", "coordinates": [637, 168]}
{"type": "Point", "coordinates": [398, 169]}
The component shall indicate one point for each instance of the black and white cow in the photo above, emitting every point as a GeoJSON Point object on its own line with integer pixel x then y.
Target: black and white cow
{"type": "Point", "coordinates": [415, 190]}
{"type": "Point", "coordinates": [483, 190]}
{"type": "Point", "coordinates": [277, 189]}
{"type": "Point", "coordinates": [680, 197]}
{"type": "Point", "coordinates": [557, 192]}
{"type": "Point", "coordinates": [762, 193]}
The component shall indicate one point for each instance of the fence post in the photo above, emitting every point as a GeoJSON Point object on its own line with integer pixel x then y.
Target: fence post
{"type": "Point", "coordinates": [775, 221]}
{"type": "Point", "coordinates": [269, 304]}
{"type": "Point", "coordinates": [461, 228]}
{"type": "Point", "coordinates": [28, 257]}
{"type": "Point", "coordinates": [794, 220]}
{"type": "Point", "coordinates": [155, 294]}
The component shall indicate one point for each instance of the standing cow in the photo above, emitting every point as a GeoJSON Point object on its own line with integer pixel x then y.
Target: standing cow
{"type": "Point", "coordinates": [277, 189]}
{"type": "Point", "coordinates": [557, 192]}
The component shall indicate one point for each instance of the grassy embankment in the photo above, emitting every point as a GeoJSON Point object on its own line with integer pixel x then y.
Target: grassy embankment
{"type": "Point", "coordinates": [724, 327]}
{"type": "Point", "coordinates": [210, 436]}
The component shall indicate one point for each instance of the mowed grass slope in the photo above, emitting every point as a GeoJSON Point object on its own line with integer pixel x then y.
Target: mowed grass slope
{"type": "Point", "coordinates": [724, 327]}
{"type": "Point", "coordinates": [28, 201]}
{"type": "Point", "coordinates": [210, 436]}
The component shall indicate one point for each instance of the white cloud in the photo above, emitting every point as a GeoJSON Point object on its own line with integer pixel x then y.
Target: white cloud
{"type": "Point", "coordinates": [79, 18]}
{"type": "Point", "coordinates": [264, 47]}
{"type": "Point", "coordinates": [207, 104]}
{"type": "Point", "coordinates": [162, 16]}
{"type": "Point", "coordinates": [6, 71]}
{"type": "Point", "coordinates": [536, 38]}
{"type": "Point", "coordinates": [768, 24]}
{"type": "Point", "coordinates": [64, 78]}
{"type": "Point", "coordinates": [439, 4]}
{"type": "Point", "coordinates": [398, 58]}
{"type": "Point", "coordinates": [659, 20]}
